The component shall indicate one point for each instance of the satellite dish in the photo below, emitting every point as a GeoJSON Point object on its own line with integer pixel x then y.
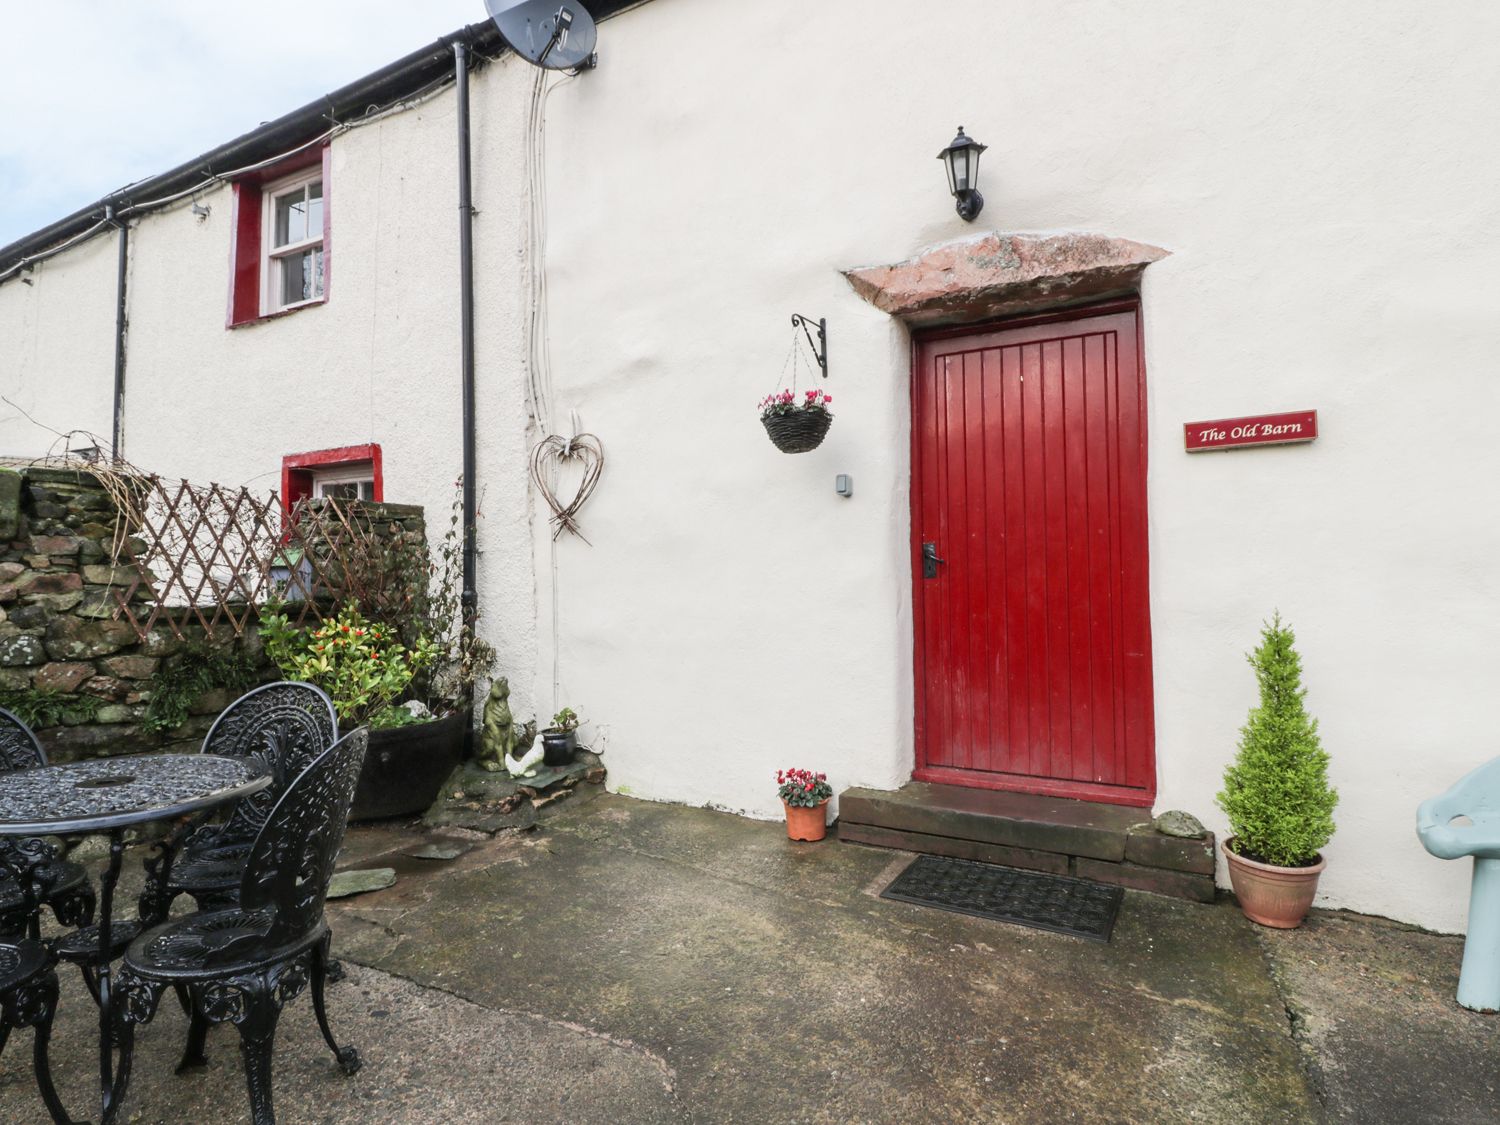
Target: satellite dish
{"type": "Point", "coordinates": [556, 34]}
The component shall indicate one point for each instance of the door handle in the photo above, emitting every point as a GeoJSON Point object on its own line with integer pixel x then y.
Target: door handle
{"type": "Point", "coordinates": [930, 560]}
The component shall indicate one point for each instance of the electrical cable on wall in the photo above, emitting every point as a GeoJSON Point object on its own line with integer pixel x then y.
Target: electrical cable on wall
{"type": "Point", "coordinates": [211, 179]}
{"type": "Point", "coordinates": [538, 343]}
{"type": "Point", "coordinates": [551, 451]}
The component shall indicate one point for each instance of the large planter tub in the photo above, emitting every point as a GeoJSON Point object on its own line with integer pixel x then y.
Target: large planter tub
{"type": "Point", "coordinates": [405, 767]}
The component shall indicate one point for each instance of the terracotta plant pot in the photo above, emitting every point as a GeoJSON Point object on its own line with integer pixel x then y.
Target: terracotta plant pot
{"type": "Point", "coordinates": [1272, 896]}
{"type": "Point", "coordinates": [806, 824]}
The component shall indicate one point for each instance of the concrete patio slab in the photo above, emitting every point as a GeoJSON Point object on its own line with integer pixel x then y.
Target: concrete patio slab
{"type": "Point", "coordinates": [779, 988]}
{"type": "Point", "coordinates": [632, 962]}
{"type": "Point", "coordinates": [1373, 1004]}
{"type": "Point", "coordinates": [430, 1058]}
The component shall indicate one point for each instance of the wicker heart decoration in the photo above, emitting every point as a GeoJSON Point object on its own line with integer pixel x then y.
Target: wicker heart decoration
{"type": "Point", "coordinates": [547, 459]}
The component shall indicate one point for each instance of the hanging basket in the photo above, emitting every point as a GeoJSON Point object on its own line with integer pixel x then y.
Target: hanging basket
{"type": "Point", "coordinates": [799, 430]}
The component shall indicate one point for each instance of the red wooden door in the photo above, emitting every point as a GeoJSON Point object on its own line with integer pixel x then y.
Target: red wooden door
{"type": "Point", "coordinates": [1033, 632]}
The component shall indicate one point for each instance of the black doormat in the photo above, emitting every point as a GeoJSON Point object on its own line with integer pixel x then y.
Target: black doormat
{"type": "Point", "coordinates": [1028, 898]}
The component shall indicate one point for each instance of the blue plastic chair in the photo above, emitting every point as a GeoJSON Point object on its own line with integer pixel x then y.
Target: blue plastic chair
{"type": "Point", "coordinates": [1476, 796]}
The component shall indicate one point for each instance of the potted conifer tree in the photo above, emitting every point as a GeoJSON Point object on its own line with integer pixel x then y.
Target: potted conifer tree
{"type": "Point", "coordinates": [1276, 792]}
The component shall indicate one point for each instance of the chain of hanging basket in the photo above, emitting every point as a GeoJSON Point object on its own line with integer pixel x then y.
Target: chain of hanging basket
{"type": "Point", "coordinates": [799, 429]}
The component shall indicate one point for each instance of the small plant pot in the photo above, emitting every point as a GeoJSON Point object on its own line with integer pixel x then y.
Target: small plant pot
{"type": "Point", "coordinates": [559, 746]}
{"type": "Point", "coordinates": [806, 823]}
{"type": "Point", "coordinates": [799, 431]}
{"type": "Point", "coordinates": [1279, 897]}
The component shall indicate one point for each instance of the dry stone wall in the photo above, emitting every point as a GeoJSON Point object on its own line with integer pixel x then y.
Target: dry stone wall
{"type": "Point", "coordinates": [60, 635]}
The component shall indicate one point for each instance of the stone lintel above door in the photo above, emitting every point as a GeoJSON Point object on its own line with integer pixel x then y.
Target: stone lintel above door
{"type": "Point", "coordinates": [999, 274]}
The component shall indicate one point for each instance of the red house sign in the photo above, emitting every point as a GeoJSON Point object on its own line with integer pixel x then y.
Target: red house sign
{"type": "Point", "coordinates": [1258, 429]}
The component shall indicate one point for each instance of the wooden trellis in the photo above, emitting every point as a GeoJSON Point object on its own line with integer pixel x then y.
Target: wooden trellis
{"type": "Point", "coordinates": [210, 554]}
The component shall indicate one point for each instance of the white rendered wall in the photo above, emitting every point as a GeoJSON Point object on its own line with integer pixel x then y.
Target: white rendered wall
{"type": "Point", "coordinates": [1323, 177]}
{"type": "Point", "coordinates": [379, 362]}
{"type": "Point", "coordinates": [57, 349]}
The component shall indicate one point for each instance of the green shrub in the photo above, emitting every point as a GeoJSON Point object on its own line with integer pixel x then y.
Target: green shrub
{"type": "Point", "coordinates": [394, 716]}
{"type": "Point", "coordinates": [1276, 792]}
{"type": "Point", "coordinates": [50, 708]}
{"type": "Point", "coordinates": [179, 683]}
{"type": "Point", "coordinates": [361, 664]}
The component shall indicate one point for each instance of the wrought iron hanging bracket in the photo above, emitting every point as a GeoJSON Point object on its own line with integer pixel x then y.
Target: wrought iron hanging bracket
{"type": "Point", "coordinates": [820, 345]}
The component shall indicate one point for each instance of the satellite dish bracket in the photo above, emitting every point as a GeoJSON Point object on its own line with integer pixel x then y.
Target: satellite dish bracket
{"type": "Point", "coordinates": [552, 34]}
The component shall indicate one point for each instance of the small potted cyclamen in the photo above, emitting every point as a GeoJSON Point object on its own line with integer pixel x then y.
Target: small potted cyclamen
{"type": "Point", "coordinates": [804, 795]}
{"type": "Point", "coordinates": [560, 740]}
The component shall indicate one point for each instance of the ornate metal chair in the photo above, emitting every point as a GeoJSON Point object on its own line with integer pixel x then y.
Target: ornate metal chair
{"type": "Point", "coordinates": [286, 726]}
{"type": "Point", "coordinates": [61, 885]}
{"type": "Point", "coordinates": [28, 998]}
{"type": "Point", "coordinates": [242, 964]}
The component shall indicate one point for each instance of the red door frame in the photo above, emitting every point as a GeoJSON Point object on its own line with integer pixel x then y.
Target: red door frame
{"type": "Point", "coordinates": [1111, 794]}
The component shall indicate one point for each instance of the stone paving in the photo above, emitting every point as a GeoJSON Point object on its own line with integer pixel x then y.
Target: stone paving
{"type": "Point", "coordinates": [630, 962]}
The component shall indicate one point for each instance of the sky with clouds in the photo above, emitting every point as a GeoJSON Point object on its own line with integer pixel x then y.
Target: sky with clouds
{"type": "Point", "coordinates": [98, 94]}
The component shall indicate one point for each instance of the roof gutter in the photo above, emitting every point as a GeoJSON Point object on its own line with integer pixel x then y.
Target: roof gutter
{"type": "Point", "coordinates": [389, 83]}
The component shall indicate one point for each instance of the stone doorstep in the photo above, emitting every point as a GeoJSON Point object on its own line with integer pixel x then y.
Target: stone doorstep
{"type": "Point", "coordinates": [1105, 843]}
{"type": "Point", "coordinates": [992, 816]}
{"type": "Point", "coordinates": [1149, 848]}
{"type": "Point", "coordinates": [1175, 884]}
{"type": "Point", "coordinates": [1053, 863]}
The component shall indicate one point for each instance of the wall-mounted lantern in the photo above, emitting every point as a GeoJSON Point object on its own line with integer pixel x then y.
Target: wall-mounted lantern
{"type": "Point", "coordinates": [961, 158]}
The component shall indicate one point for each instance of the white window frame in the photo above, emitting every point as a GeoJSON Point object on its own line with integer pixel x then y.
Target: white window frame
{"type": "Point", "coordinates": [271, 254]}
{"type": "Point", "coordinates": [359, 472]}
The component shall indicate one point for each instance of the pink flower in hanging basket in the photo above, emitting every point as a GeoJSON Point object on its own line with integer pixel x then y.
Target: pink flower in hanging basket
{"type": "Point", "coordinates": [785, 402]}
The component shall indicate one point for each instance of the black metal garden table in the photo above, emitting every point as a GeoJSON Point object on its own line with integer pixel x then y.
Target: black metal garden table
{"type": "Point", "coordinates": [105, 796]}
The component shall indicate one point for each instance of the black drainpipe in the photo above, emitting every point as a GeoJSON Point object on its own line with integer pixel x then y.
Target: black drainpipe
{"type": "Point", "coordinates": [470, 598]}
{"type": "Point", "coordinates": [117, 434]}
{"type": "Point", "coordinates": [466, 317]}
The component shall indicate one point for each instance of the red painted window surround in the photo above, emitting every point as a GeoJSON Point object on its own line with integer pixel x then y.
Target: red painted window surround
{"type": "Point", "coordinates": [246, 248]}
{"type": "Point", "coordinates": [297, 469]}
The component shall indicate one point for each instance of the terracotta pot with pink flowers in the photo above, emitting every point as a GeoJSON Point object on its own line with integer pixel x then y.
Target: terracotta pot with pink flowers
{"type": "Point", "coordinates": [804, 795]}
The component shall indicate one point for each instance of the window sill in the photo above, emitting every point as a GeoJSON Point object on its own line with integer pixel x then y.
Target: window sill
{"type": "Point", "coordinates": [277, 315]}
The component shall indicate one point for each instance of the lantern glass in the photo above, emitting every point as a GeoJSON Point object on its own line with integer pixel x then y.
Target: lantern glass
{"type": "Point", "coordinates": [968, 161]}
{"type": "Point", "coordinates": [950, 163]}
{"type": "Point", "coordinates": [958, 164]}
